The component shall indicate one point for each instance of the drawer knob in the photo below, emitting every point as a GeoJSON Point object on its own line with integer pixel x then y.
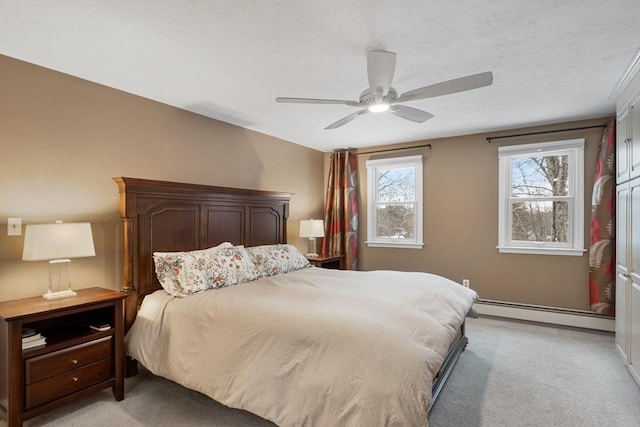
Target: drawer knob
{"type": "Point", "coordinates": [74, 361]}
{"type": "Point", "coordinates": [75, 379]}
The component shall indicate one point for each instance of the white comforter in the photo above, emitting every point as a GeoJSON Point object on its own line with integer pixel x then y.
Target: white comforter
{"type": "Point", "coordinates": [314, 347]}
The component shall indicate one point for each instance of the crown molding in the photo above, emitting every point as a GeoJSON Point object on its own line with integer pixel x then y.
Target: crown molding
{"type": "Point", "coordinates": [627, 76]}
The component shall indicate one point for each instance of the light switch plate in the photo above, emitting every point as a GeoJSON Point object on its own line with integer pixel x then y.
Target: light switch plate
{"type": "Point", "coordinates": [14, 226]}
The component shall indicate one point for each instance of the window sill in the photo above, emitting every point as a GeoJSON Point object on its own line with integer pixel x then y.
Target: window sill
{"type": "Point", "coordinates": [404, 245]}
{"type": "Point", "coordinates": [541, 251]}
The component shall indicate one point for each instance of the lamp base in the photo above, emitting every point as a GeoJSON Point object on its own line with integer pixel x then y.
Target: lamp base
{"type": "Point", "coordinates": [311, 250]}
{"type": "Point", "coordinates": [59, 294]}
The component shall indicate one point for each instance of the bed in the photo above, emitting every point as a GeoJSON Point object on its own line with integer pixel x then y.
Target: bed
{"type": "Point", "coordinates": [308, 347]}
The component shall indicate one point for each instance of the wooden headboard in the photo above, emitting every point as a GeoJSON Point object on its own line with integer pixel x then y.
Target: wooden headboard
{"type": "Point", "coordinates": [169, 216]}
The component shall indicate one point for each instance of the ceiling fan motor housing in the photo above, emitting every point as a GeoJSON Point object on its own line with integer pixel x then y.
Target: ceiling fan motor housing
{"type": "Point", "coordinates": [367, 97]}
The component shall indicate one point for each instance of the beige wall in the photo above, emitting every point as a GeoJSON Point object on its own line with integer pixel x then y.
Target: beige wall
{"type": "Point", "coordinates": [461, 223]}
{"type": "Point", "coordinates": [62, 139]}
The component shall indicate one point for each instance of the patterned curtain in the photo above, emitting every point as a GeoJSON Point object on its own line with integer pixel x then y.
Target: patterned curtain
{"type": "Point", "coordinates": [341, 209]}
{"type": "Point", "coordinates": [602, 260]}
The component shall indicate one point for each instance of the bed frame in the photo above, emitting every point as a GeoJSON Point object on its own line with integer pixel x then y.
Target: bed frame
{"type": "Point", "coordinates": [169, 216]}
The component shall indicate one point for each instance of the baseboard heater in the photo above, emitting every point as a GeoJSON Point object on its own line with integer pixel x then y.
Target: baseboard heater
{"type": "Point", "coordinates": [543, 314]}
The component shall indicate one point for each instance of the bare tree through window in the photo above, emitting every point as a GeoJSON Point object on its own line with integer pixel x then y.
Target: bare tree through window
{"type": "Point", "coordinates": [396, 203]}
{"type": "Point", "coordinates": [539, 206]}
{"type": "Point", "coordinates": [541, 198]}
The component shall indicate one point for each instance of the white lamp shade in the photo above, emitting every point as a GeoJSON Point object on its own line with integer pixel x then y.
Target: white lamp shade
{"type": "Point", "coordinates": [56, 241]}
{"type": "Point", "coordinates": [311, 228]}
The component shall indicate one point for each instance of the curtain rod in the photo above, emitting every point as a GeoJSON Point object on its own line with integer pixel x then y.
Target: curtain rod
{"type": "Point", "coordinates": [489, 138]}
{"type": "Point", "coordinates": [395, 149]}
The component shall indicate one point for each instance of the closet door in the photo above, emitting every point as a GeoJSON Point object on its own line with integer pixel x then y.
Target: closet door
{"type": "Point", "coordinates": [633, 281]}
{"type": "Point", "coordinates": [633, 145]}
{"type": "Point", "coordinates": [622, 206]}
{"type": "Point", "coordinates": [634, 332]}
{"type": "Point", "coordinates": [623, 138]}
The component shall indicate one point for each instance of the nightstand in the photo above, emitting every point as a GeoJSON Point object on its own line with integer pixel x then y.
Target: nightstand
{"type": "Point", "coordinates": [75, 361]}
{"type": "Point", "coordinates": [334, 261]}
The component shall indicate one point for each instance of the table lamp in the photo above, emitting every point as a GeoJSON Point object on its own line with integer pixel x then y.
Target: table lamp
{"type": "Point", "coordinates": [312, 228]}
{"type": "Point", "coordinates": [58, 243]}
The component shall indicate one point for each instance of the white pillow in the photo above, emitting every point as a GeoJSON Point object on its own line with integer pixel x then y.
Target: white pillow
{"type": "Point", "coordinates": [224, 245]}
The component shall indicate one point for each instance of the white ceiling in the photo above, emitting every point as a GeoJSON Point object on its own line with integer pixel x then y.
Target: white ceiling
{"type": "Point", "coordinates": [553, 60]}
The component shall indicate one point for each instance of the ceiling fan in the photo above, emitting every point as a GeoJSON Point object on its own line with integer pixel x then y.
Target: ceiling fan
{"type": "Point", "coordinates": [380, 96]}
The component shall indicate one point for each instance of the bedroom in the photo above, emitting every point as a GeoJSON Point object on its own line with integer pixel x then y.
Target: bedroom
{"type": "Point", "coordinates": [63, 138]}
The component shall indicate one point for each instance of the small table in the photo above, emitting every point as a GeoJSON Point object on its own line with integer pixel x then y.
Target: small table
{"type": "Point", "coordinates": [75, 361]}
{"type": "Point", "coordinates": [335, 261]}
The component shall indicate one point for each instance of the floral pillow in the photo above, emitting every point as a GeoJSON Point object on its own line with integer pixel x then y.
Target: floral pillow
{"type": "Point", "coordinates": [185, 273]}
{"type": "Point", "coordinates": [278, 259]}
{"type": "Point", "coordinates": [165, 270]}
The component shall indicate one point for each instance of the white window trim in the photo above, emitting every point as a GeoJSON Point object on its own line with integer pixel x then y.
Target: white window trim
{"type": "Point", "coordinates": [575, 246]}
{"type": "Point", "coordinates": [372, 191]}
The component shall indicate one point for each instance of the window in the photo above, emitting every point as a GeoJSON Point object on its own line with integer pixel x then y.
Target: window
{"type": "Point", "coordinates": [394, 207]}
{"type": "Point", "coordinates": [541, 198]}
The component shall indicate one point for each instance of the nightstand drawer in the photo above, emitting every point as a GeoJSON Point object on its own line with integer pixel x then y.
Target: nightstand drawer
{"type": "Point", "coordinates": [52, 364]}
{"type": "Point", "coordinates": [63, 384]}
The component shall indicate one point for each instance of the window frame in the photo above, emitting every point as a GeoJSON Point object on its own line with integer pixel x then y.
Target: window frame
{"type": "Point", "coordinates": [415, 162]}
{"type": "Point", "coordinates": [574, 149]}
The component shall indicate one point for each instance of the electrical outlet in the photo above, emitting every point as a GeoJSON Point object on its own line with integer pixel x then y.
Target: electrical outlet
{"type": "Point", "coordinates": [14, 226]}
{"type": "Point", "coordinates": [465, 283]}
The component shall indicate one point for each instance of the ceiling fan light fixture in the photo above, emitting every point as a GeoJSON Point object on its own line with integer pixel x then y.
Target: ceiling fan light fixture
{"type": "Point", "coordinates": [378, 108]}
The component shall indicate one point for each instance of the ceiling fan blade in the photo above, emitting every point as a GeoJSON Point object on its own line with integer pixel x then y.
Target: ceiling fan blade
{"type": "Point", "coordinates": [410, 113]}
{"type": "Point", "coordinates": [381, 66]}
{"type": "Point", "coordinates": [345, 120]}
{"type": "Point", "coordinates": [461, 84]}
{"type": "Point", "coordinates": [317, 101]}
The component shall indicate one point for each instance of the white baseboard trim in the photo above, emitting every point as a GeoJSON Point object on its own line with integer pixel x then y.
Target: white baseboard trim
{"type": "Point", "coordinates": [556, 316]}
